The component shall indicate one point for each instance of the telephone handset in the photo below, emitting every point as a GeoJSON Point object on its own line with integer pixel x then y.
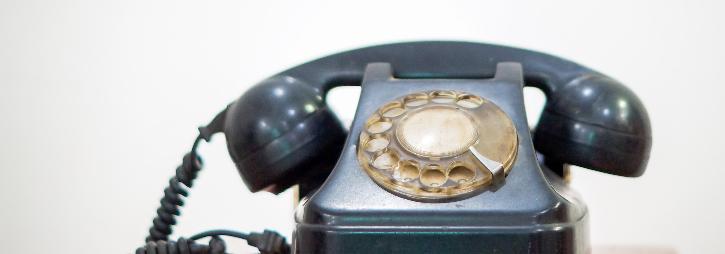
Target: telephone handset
{"type": "Point", "coordinates": [439, 157]}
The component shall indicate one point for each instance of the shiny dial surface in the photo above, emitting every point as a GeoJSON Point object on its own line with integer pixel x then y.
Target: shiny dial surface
{"type": "Point", "coordinates": [437, 145]}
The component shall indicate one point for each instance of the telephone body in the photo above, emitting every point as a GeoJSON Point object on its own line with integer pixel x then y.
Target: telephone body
{"type": "Point", "coordinates": [439, 157]}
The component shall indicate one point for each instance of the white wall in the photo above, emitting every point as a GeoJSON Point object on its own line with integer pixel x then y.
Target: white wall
{"type": "Point", "coordinates": [100, 99]}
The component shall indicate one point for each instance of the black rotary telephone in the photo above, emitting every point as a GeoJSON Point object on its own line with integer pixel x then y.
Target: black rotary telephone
{"type": "Point", "coordinates": [439, 158]}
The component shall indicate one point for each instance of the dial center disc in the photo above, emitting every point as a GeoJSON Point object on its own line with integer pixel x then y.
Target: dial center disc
{"type": "Point", "coordinates": [438, 131]}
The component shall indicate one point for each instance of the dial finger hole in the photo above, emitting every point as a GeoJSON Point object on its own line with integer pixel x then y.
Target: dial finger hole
{"type": "Point", "coordinates": [377, 124]}
{"type": "Point", "coordinates": [393, 109]}
{"type": "Point", "coordinates": [443, 96]}
{"type": "Point", "coordinates": [433, 176]}
{"type": "Point", "coordinates": [469, 101]}
{"type": "Point", "coordinates": [415, 100]}
{"type": "Point", "coordinates": [408, 171]}
{"type": "Point", "coordinates": [387, 161]}
{"type": "Point", "coordinates": [376, 143]}
{"type": "Point", "coordinates": [461, 174]}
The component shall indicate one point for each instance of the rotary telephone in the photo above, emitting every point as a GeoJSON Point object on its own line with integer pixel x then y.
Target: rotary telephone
{"type": "Point", "coordinates": [439, 157]}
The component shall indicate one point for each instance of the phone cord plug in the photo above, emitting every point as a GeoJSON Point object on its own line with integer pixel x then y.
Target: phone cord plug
{"type": "Point", "coordinates": [269, 242]}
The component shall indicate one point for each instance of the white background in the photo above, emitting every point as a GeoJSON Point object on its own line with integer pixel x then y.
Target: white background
{"type": "Point", "coordinates": [100, 99]}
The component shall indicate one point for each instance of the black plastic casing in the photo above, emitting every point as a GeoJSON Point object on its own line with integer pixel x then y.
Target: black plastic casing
{"type": "Point", "coordinates": [280, 133]}
{"type": "Point", "coordinates": [532, 212]}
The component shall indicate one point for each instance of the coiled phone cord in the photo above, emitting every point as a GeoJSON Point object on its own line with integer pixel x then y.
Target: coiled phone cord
{"type": "Point", "coordinates": [267, 242]}
{"type": "Point", "coordinates": [173, 194]}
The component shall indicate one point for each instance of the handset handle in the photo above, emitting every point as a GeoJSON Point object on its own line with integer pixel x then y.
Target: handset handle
{"type": "Point", "coordinates": [589, 120]}
{"type": "Point", "coordinates": [437, 59]}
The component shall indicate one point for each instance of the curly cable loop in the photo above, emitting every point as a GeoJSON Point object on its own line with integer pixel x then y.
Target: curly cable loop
{"type": "Point", "coordinates": [173, 197]}
{"type": "Point", "coordinates": [268, 242]}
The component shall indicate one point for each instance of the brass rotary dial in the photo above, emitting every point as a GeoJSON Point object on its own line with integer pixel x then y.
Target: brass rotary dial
{"type": "Point", "coordinates": [436, 145]}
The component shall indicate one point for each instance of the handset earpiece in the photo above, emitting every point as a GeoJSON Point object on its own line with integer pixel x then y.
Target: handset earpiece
{"type": "Point", "coordinates": [597, 123]}
{"type": "Point", "coordinates": [280, 132]}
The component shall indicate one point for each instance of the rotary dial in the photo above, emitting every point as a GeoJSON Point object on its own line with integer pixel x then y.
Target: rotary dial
{"type": "Point", "coordinates": [437, 145]}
